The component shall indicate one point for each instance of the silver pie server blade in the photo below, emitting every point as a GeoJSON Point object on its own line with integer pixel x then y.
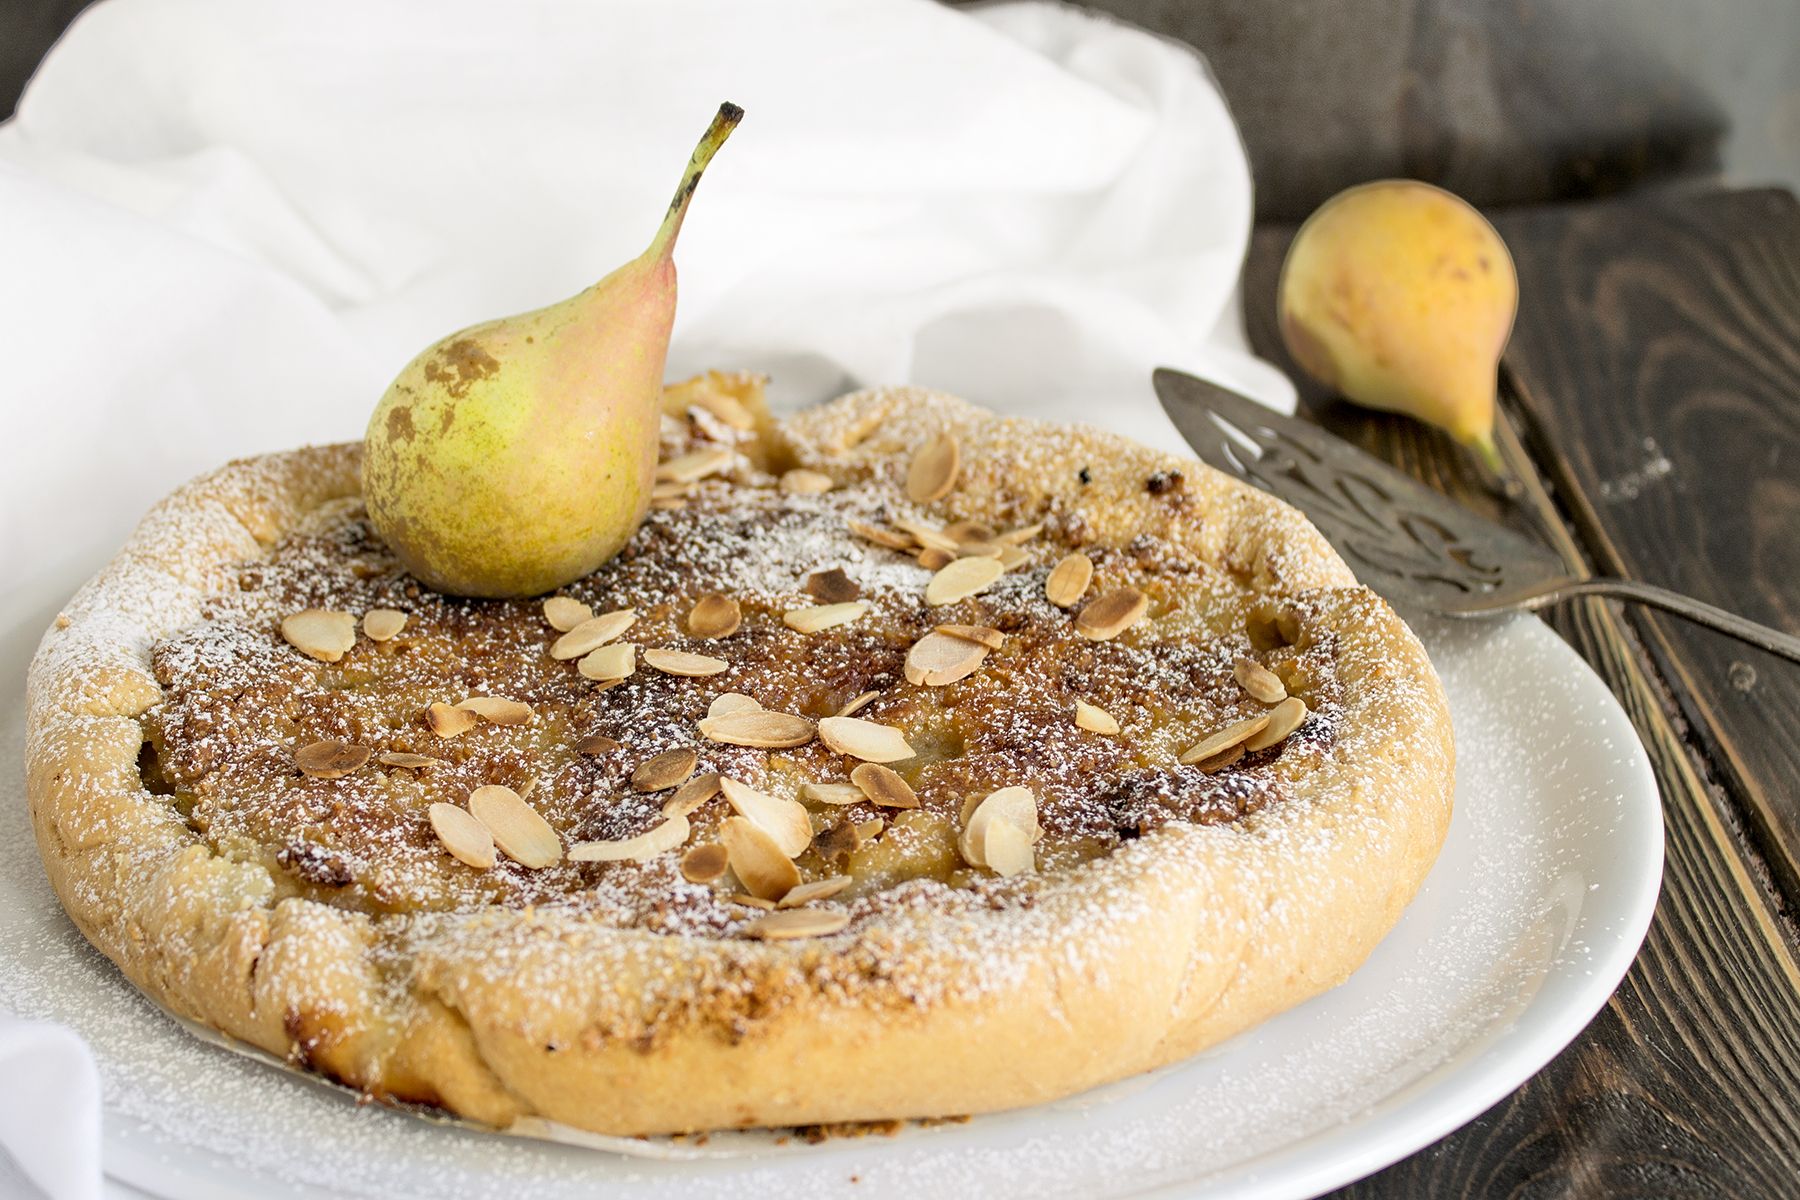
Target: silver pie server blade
{"type": "Point", "coordinates": [1411, 544]}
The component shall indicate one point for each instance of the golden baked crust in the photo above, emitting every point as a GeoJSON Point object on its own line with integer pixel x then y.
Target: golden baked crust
{"type": "Point", "coordinates": [935, 1000]}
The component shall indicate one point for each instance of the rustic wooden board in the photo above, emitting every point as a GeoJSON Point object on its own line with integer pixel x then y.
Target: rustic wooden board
{"type": "Point", "coordinates": [1686, 1083]}
{"type": "Point", "coordinates": [1665, 383]}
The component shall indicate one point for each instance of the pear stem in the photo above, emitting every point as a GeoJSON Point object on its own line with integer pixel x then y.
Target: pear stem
{"type": "Point", "coordinates": [1483, 445]}
{"type": "Point", "coordinates": [663, 245]}
{"type": "Point", "coordinates": [1498, 478]}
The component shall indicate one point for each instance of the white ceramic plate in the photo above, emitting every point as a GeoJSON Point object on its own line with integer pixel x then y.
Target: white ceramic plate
{"type": "Point", "coordinates": [1525, 926]}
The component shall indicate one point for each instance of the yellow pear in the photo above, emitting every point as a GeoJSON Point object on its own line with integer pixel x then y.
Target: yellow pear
{"type": "Point", "coordinates": [517, 455]}
{"type": "Point", "coordinates": [1401, 296]}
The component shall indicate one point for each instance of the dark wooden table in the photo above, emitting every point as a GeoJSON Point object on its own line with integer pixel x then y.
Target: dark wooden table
{"type": "Point", "coordinates": [1652, 409]}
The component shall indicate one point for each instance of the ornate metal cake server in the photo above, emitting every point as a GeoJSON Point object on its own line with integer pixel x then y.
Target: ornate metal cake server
{"type": "Point", "coordinates": [1404, 540]}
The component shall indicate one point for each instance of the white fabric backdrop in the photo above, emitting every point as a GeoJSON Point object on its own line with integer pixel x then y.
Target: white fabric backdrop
{"type": "Point", "coordinates": [225, 224]}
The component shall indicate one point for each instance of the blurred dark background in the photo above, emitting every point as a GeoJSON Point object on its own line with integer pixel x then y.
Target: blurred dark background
{"type": "Point", "coordinates": [1502, 101]}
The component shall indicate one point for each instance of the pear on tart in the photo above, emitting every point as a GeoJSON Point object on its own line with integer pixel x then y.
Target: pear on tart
{"type": "Point", "coordinates": [516, 455]}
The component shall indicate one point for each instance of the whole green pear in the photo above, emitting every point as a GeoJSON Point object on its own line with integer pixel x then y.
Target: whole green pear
{"type": "Point", "coordinates": [517, 455]}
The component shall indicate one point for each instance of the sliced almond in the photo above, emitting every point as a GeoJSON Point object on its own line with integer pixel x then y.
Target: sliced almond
{"type": "Point", "coordinates": [802, 482]}
{"type": "Point", "coordinates": [497, 710]}
{"type": "Point", "coordinates": [1258, 682]}
{"type": "Point", "coordinates": [662, 771]}
{"type": "Point", "coordinates": [758, 728]}
{"type": "Point", "coordinates": [596, 743]}
{"type": "Point", "coordinates": [832, 586]}
{"type": "Point", "coordinates": [704, 863]}
{"type": "Point", "coordinates": [824, 616]}
{"type": "Point", "coordinates": [933, 470]}
{"type": "Point", "coordinates": [1021, 535]}
{"type": "Point", "coordinates": [933, 559]}
{"type": "Point", "coordinates": [1284, 718]}
{"type": "Point", "coordinates": [692, 795]}
{"type": "Point", "coordinates": [565, 612]}
{"type": "Point", "coordinates": [730, 702]}
{"type": "Point", "coordinates": [870, 829]}
{"type": "Point", "coordinates": [818, 889]}
{"type": "Point", "coordinates": [714, 616]}
{"type": "Point", "coordinates": [857, 704]}
{"type": "Point", "coordinates": [695, 464]}
{"type": "Point", "coordinates": [1016, 806]}
{"type": "Point", "coordinates": [755, 902]}
{"type": "Point", "coordinates": [1007, 849]}
{"type": "Point", "coordinates": [942, 658]}
{"type": "Point", "coordinates": [722, 404]}
{"type": "Point", "coordinates": [320, 633]}
{"type": "Point", "coordinates": [449, 722]}
{"type": "Point", "coordinates": [467, 839]}
{"type": "Point", "coordinates": [970, 804]}
{"type": "Point", "coordinates": [1109, 615]}
{"type": "Point", "coordinates": [1095, 719]}
{"type": "Point", "coordinates": [783, 820]}
{"type": "Point", "coordinates": [1068, 581]}
{"type": "Point", "coordinates": [1221, 760]}
{"type": "Point", "coordinates": [382, 624]}
{"type": "Point", "coordinates": [669, 491]}
{"type": "Point", "coordinates": [518, 829]}
{"type": "Point", "coordinates": [726, 408]}
{"type": "Point", "coordinates": [647, 845]}
{"type": "Point", "coordinates": [961, 579]}
{"type": "Point", "coordinates": [1012, 558]}
{"type": "Point", "coordinates": [993, 639]}
{"type": "Point", "coordinates": [927, 535]}
{"type": "Point", "coordinates": [668, 503]}
{"type": "Point", "coordinates": [972, 844]}
{"type": "Point", "coordinates": [760, 865]}
{"type": "Point", "coordinates": [593, 633]}
{"type": "Point", "coordinates": [797, 923]}
{"type": "Point", "coordinates": [867, 740]}
{"type": "Point", "coordinates": [832, 793]}
{"type": "Point", "coordinates": [616, 661]}
{"type": "Point", "coordinates": [1225, 738]}
{"type": "Point", "coordinates": [683, 663]}
{"type": "Point", "coordinates": [883, 786]}
{"type": "Point", "coordinates": [397, 758]}
{"type": "Point", "coordinates": [1019, 807]}
{"type": "Point", "coordinates": [969, 533]}
{"type": "Point", "coordinates": [331, 759]}
{"type": "Point", "coordinates": [878, 535]}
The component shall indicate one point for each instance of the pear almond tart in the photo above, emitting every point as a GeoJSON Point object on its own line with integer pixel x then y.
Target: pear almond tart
{"type": "Point", "coordinates": [907, 762]}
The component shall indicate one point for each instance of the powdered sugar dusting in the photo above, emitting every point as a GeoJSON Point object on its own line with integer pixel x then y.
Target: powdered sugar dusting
{"type": "Point", "coordinates": [1534, 910]}
{"type": "Point", "coordinates": [1119, 814]}
{"type": "Point", "coordinates": [239, 700]}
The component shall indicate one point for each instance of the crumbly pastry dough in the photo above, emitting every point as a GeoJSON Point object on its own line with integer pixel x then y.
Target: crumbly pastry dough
{"type": "Point", "coordinates": [940, 996]}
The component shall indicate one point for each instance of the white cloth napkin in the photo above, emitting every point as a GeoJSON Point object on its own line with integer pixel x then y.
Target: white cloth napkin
{"type": "Point", "coordinates": [49, 1113]}
{"type": "Point", "coordinates": [225, 225]}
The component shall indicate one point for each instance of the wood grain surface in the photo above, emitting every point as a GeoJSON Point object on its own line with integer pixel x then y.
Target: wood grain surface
{"type": "Point", "coordinates": [1688, 1081]}
{"type": "Point", "coordinates": [1663, 392]}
